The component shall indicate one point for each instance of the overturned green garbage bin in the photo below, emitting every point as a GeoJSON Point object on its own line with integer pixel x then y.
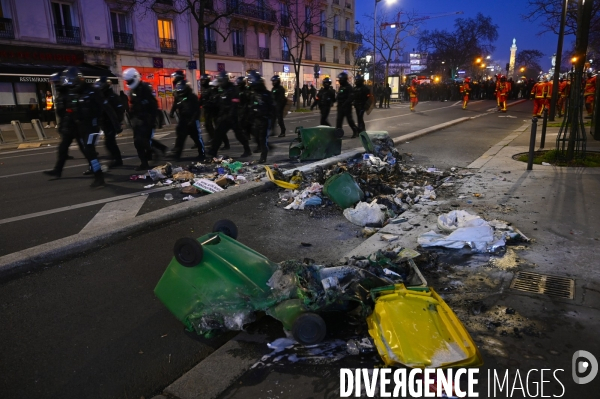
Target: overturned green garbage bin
{"type": "Point", "coordinates": [315, 143]}
{"type": "Point", "coordinates": [372, 141]}
{"type": "Point", "coordinates": [343, 190]}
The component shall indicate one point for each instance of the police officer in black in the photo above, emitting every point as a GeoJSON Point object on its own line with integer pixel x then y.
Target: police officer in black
{"type": "Point", "coordinates": [189, 124]}
{"type": "Point", "coordinates": [85, 106]}
{"type": "Point", "coordinates": [263, 116]}
{"type": "Point", "coordinates": [280, 100]}
{"type": "Point", "coordinates": [345, 97]}
{"type": "Point", "coordinates": [324, 100]}
{"type": "Point", "coordinates": [143, 112]}
{"type": "Point", "coordinates": [227, 118]}
{"type": "Point", "coordinates": [111, 120]}
{"type": "Point", "coordinates": [176, 77]}
{"type": "Point", "coordinates": [209, 102]}
{"type": "Point", "coordinates": [243, 116]}
{"type": "Point", "coordinates": [362, 98]}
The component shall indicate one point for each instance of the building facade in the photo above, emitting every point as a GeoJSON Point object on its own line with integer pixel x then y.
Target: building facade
{"type": "Point", "coordinates": [40, 37]}
{"type": "Point", "coordinates": [256, 33]}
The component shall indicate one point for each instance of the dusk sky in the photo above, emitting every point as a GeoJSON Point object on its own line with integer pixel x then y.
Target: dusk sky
{"type": "Point", "coordinates": [506, 14]}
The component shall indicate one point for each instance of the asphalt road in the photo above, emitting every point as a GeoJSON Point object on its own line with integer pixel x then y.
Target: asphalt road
{"type": "Point", "coordinates": [32, 207]}
{"type": "Point", "coordinates": [91, 326]}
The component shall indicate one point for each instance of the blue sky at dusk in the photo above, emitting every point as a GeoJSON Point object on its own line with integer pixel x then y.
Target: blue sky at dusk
{"type": "Point", "coordinates": [505, 14]}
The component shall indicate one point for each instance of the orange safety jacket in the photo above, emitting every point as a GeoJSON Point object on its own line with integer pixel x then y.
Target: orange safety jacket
{"type": "Point", "coordinates": [465, 88]}
{"type": "Point", "coordinates": [539, 90]}
{"type": "Point", "coordinates": [412, 91]}
{"type": "Point", "coordinates": [563, 89]}
{"type": "Point", "coordinates": [49, 103]}
{"type": "Point", "coordinates": [590, 87]}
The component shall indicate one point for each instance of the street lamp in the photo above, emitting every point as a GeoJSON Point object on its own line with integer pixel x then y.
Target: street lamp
{"type": "Point", "coordinates": [375, 36]}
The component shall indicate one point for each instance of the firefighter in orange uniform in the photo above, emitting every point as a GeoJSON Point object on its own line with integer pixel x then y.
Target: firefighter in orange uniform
{"type": "Point", "coordinates": [538, 93]}
{"type": "Point", "coordinates": [549, 85]}
{"type": "Point", "coordinates": [496, 93]}
{"type": "Point", "coordinates": [465, 89]}
{"type": "Point", "coordinates": [589, 94]}
{"type": "Point", "coordinates": [412, 93]}
{"type": "Point", "coordinates": [562, 96]}
{"type": "Point", "coordinates": [503, 93]}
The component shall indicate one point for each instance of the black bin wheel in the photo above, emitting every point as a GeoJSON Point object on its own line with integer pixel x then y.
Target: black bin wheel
{"type": "Point", "coordinates": [309, 329]}
{"type": "Point", "coordinates": [226, 227]}
{"type": "Point", "coordinates": [338, 133]}
{"type": "Point", "coordinates": [188, 251]}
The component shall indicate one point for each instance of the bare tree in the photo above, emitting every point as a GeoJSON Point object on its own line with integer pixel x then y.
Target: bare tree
{"type": "Point", "coordinates": [392, 29]}
{"type": "Point", "coordinates": [208, 14]}
{"type": "Point", "coordinates": [359, 60]}
{"type": "Point", "coordinates": [470, 39]}
{"type": "Point", "coordinates": [529, 59]}
{"type": "Point", "coordinates": [298, 21]}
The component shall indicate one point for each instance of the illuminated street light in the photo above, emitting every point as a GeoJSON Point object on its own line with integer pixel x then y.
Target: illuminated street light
{"type": "Point", "coordinates": [488, 57]}
{"type": "Point", "coordinates": [478, 60]}
{"type": "Point", "coordinates": [522, 69]}
{"type": "Point", "coordinates": [574, 60]}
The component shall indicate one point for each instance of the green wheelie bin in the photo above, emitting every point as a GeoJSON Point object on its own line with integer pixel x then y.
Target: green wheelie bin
{"type": "Point", "coordinates": [315, 143]}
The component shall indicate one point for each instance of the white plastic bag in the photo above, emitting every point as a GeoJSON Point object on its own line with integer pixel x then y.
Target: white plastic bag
{"type": "Point", "coordinates": [364, 214]}
{"type": "Point", "coordinates": [448, 222]}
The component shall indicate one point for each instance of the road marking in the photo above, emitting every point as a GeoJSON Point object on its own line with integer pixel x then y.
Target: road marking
{"type": "Point", "coordinates": [115, 211]}
{"type": "Point", "coordinates": [83, 205]}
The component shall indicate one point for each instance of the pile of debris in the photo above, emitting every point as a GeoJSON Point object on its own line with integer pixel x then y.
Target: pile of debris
{"type": "Point", "coordinates": [201, 178]}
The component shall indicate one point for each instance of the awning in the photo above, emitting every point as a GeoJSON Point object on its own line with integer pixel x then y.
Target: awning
{"type": "Point", "coordinates": [28, 73]}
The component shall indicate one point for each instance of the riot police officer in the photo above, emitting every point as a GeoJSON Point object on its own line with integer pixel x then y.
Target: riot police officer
{"type": "Point", "coordinates": [85, 106]}
{"type": "Point", "coordinates": [362, 98]}
{"type": "Point", "coordinates": [143, 111]}
{"type": "Point", "coordinates": [111, 119]}
{"type": "Point", "coordinates": [280, 100]}
{"type": "Point", "coordinates": [176, 77]}
{"type": "Point", "coordinates": [210, 107]}
{"type": "Point", "coordinates": [243, 118]}
{"type": "Point", "coordinates": [262, 108]}
{"type": "Point", "coordinates": [324, 100]}
{"type": "Point", "coordinates": [344, 99]}
{"type": "Point", "coordinates": [227, 117]}
{"type": "Point", "coordinates": [189, 123]}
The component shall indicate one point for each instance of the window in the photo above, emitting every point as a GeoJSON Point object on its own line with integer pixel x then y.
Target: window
{"type": "Point", "coordinates": [165, 29]}
{"type": "Point", "coordinates": [284, 44]}
{"type": "Point", "coordinates": [210, 44]}
{"type": "Point", "coordinates": [4, 10]}
{"type": "Point", "coordinates": [119, 22]}
{"type": "Point", "coordinates": [336, 22]}
{"type": "Point", "coordinates": [322, 52]}
{"type": "Point", "coordinates": [322, 19]}
{"type": "Point", "coordinates": [238, 42]}
{"type": "Point", "coordinates": [347, 25]}
{"type": "Point", "coordinates": [6, 94]}
{"type": "Point", "coordinates": [262, 40]}
{"type": "Point", "coordinates": [65, 28]}
{"type": "Point", "coordinates": [335, 53]}
{"type": "Point", "coordinates": [26, 94]}
{"type": "Point", "coordinates": [308, 51]}
{"type": "Point", "coordinates": [62, 14]}
{"type": "Point", "coordinates": [6, 26]}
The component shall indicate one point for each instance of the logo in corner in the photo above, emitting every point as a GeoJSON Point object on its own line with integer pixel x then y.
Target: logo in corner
{"type": "Point", "coordinates": [584, 362]}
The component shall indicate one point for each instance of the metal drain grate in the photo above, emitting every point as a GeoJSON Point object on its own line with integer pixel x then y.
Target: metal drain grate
{"type": "Point", "coordinates": [559, 287]}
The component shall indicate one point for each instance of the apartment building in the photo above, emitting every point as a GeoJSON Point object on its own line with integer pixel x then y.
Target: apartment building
{"type": "Point", "coordinates": [102, 38]}
{"type": "Point", "coordinates": [255, 42]}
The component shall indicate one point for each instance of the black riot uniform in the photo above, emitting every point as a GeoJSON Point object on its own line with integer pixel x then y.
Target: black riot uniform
{"type": "Point", "coordinates": [188, 109]}
{"type": "Point", "coordinates": [280, 100]}
{"type": "Point", "coordinates": [227, 118]}
{"type": "Point", "coordinates": [111, 120]}
{"type": "Point", "coordinates": [210, 107]}
{"type": "Point", "coordinates": [262, 108]}
{"type": "Point", "coordinates": [344, 99]}
{"type": "Point", "coordinates": [362, 98]}
{"type": "Point", "coordinates": [324, 100]}
{"type": "Point", "coordinates": [143, 116]}
{"type": "Point", "coordinates": [244, 118]}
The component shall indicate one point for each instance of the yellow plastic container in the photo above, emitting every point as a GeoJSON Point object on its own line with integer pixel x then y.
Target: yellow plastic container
{"type": "Point", "coordinates": [416, 328]}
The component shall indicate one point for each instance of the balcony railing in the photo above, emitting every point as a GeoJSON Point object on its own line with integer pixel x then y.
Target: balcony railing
{"type": "Point", "coordinates": [346, 36]}
{"type": "Point", "coordinates": [210, 46]}
{"type": "Point", "coordinates": [336, 60]}
{"type": "Point", "coordinates": [323, 58]}
{"type": "Point", "coordinates": [238, 50]}
{"type": "Point", "coordinates": [338, 34]}
{"type": "Point", "coordinates": [252, 11]}
{"type": "Point", "coordinates": [323, 31]}
{"type": "Point", "coordinates": [308, 57]}
{"type": "Point", "coordinates": [67, 34]}
{"type": "Point", "coordinates": [168, 46]}
{"type": "Point", "coordinates": [6, 29]}
{"type": "Point", "coordinates": [263, 53]}
{"type": "Point", "coordinates": [285, 55]}
{"type": "Point", "coordinates": [285, 20]}
{"type": "Point", "coordinates": [123, 40]}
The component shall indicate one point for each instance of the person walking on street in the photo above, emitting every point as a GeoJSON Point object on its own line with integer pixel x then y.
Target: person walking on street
{"type": "Point", "coordinates": [345, 97]}
{"type": "Point", "coordinates": [312, 93]}
{"type": "Point", "coordinates": [304, 94]}
{"type": "Point", "coordinates": [538, 93]}
{"type": "Point", "coordinates": [324, 100]}
{"type": "Point", "coordinates": [187, 107]}
{"type": "Point", "coordinates": [111, 120]}
{"type": "Point", "coordinates": [280, 100]}
{"type": "Point", "coordinates": [465, 90]}
{"type": "Point", "coordinates": [262, 108]}
{"type": "Point", "coordinates": [413, 95]}
{"type": "Point", "coordinates": [589, 94]}
{"type": "Point", "coordinates": [362, 99]}
{"type": "Point", "coordinates": [387, 95]}
{"type": "Point", "coordinates": [49, 109]}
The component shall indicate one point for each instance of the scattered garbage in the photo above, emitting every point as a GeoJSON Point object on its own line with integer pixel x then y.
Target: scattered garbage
{"type": "Point", "coordinates": [365, 214]}
{"type": "Point", "coordinates": [169, 197]}
{"type": "Point", "coordinates": [343, 190]}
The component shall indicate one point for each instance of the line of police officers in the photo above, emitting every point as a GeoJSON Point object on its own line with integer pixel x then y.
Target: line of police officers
{"type": "Point", "coordinates": [247, 108]}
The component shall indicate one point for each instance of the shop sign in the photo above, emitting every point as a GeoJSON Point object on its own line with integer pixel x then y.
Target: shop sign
{"type": "Point", "coordinates": [169, 90]}
{"type": "Point", "coordinates": [191, 65]}
{"type": "Point", "coordinates": [157, 62]}
{"type": "Point", "coordinates": [39, 56]}
{"type": "Point", "coordinates": [286, 68]}
{"type": "Point", "coordinates": [221, 66]}
{"type": "Point", "coordinates": [150, 76]}
{"type": "Point", "coordinates": [161, 91]}
{"type": "Point", "coordinates": [42, 79]}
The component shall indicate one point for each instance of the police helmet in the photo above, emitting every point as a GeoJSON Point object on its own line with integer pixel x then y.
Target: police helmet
{"type": "Point", "coordinates": [359, 80]}
{"type": "Point", "coordinates": [182, 87]}
{"type": "Point", "coordinates": [343, 77]}
{"type": "Point", "coordinates": [72, 77]}
{"type": "Point", "coordinates": [132, 77]}
{"type": "Point", "coordinates": [240, 81]}
{"type": "Point", "coordinates": [223, 78]}
{"type": "Point", "coordinates": [254, 79]}
{"type": "Point", "coordinates": [56, 78]}
{"type": "Point", "coordinates": [205, 79]}
{"type": "Point", "coordinates": [177, 76]}
{"type": "Point", "coordinates": [102, 84]}
{"type": "Point", "coordinates": [326, 82]}
{"type": "Point", "coordinates": [276, 80]}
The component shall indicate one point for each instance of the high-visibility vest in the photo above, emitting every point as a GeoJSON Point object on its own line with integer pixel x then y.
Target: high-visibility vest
{"type": "Point", "coordinates": [590, 86]}
{"type": "Point", "coordinates": [49, 103]}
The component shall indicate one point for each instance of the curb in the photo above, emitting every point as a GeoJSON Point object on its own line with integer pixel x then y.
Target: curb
{"type": "Point", "coordinates": [47, 253]}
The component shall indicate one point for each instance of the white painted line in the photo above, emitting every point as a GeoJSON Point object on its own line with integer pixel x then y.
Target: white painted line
{"type": "Point", "coordinates": [82, 205]}
{"type": "Point", "coordinates": [115, 211]}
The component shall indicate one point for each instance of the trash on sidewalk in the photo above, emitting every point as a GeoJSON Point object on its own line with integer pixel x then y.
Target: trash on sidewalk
{"type": "Point", "coordinates": [365, 214]}
{"type": "Point", "coordinates": [207, 185]}
{"type": "Point", "coordinates": [343, 190]}
{"type": "Point", "coordinates": [279, 180]}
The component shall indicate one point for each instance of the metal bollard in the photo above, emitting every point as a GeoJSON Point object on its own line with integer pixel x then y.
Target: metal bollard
{"type": "Point", "coordinates": [544, 124]}
{"type": "Point", "coordinates": [532, 143]}
{"type": "Point", "coordinates": [18, 130]}
{"type": "Point", "coordinates": [39, 129]}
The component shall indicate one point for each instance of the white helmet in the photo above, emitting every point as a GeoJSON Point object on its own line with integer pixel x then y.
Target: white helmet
{"type": "Point", "coordinates": [132, 77]}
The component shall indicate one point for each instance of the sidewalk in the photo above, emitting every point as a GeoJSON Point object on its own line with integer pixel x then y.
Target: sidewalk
{"type": "Point", "coordinates": [557, 208]}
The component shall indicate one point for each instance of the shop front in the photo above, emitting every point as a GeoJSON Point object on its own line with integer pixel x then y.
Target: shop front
{"type": "Point", "coordinates": [25, 89]}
